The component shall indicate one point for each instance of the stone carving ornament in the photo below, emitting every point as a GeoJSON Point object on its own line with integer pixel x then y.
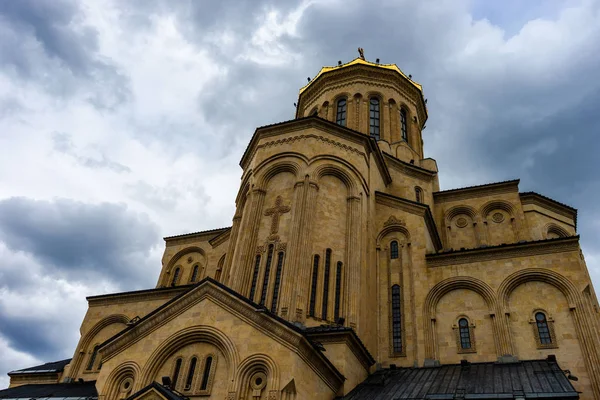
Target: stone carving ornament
{"type": "Point", "coordinates": [461, 222]}
{"type": "Point", "coordinates": [498, 217]}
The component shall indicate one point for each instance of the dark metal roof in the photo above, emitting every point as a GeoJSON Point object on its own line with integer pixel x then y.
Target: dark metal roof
{"type": "Point", "coordinates": [216, 231]}
{"type": "Point", "coordinates": [54, 366]}
{"type": "Point", "coordinates": [168, 393]}
{"type": "Point", "coordinates": [72, 391]}
{"type": "Point", "coordinates": [515, 181]}
{"type": "Point", "coordinates": [534, 378]}
{"type": "Point", "coordinates": [549, 199]}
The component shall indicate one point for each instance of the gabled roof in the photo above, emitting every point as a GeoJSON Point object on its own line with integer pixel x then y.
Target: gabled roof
{"type": "Point", "coordinates": [164, 391]}
{"type": "Point", "coordinates": [70, 391]}
{"type": "Point", "coordinates": [541, 379]}
{"type": "Point", "coordinates": [54, 366]}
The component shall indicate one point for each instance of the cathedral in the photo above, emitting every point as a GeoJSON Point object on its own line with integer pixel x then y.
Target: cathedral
{"type": "Point", "coordinates": [348, 274]}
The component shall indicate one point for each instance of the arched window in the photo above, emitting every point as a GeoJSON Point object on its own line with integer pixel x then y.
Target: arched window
{"type": "Point", "coordinates": [263, 295]}
{"type": "Point", "coordinates": [396, 320]}
{"type": "Point", "coordinates": [254, 278]}
{"type": "Point", "coordinates": [175, 276]}
{"type": "Point", "coordinates": [92, 360]}
{"type": "Point", "coordinates": [277, 282]}
{"type": "Point", "coordinates": [326, 284]}
{"type": "Point", "coordinates": [340, 118]}
{"type": "Point", "coordinates": [314, 112]}
{"type": "Point", "coordinates": [465, 333]}
{"type": "Point", "coordinates": [543, 329]}
{"type": "Point", "coordinates": [418, 194]}
{"type": "Point", "coordinates": [394, 250]}
{"type": "Point", "coordinates": [338, 291]}
{"type": "Point", "coordinates": [374, 117]}
{"type": "Point", "coordinates": [313, 288]}
{"type": "Point", "coordinates": [176, 371]}
{"type": "Point", "coordinates": [218, 275]}
{"type": "Point", "coordinates": [195, 273]}
{"type": "Point", "coordinates": [403, 130]}
{"type": "Point", "coordinates": [190, 375]}
{"type": "Point", "coordinates": [206, 373]}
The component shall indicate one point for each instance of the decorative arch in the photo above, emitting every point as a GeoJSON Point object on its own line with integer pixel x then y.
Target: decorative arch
{"type": "Point", "coordinates": [557, 230]}
{"type": "Point", "coordinates": [441, 289]}
{"type": "Point", "coordinates": [219, 271]}
{"type": "Point", "coordinates": [181, 253]}
{"type": "Point", "coordinates": [193, 334]}
{"type": "Point", "coordinates": [86, 340]}
{"type": "Point", "coordinates": [394, 227]}
{"type": "Point", "coordinates": [537, 274]}
{"type": "Point", "coordinates": [459, 210]}
{"type": "Point", "coordinates": [274, 168]}
{"type": "Point", "coordinates": [128, 371]}
{"type": "Point", "coordinates": [256, 363]}
{"type": "Point", "coordinates": [497, 205]}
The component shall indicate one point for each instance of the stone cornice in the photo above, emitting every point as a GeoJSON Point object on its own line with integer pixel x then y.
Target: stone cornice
{"type": "Point", "coordinates": [136, 296]}
{"type": "Point", "coordinates": [549, 204]}
{"type": "Point", "coordinates": [409, 169]}
{"type": "Point", "coordinates": [515, 250]}
{"type": "Point", "coordinates": [349, 339]}
{"type": "Point", "coordinates": [212, 233]}
{"type": "Point", "coordinates": [220, 238]}
{"type": "Point", "coordinates": [299, 124]}
{"type": "Point", "coordinates": [415, 208]}
{"type": "Point", "coordinates": [476, 191]}
{"type": "Point", "coordinates": [267, 323]}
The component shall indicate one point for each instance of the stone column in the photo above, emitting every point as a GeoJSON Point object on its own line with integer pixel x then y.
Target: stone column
{"type": "Point", "coordinates": [385, 131]}
{"type": "Point", "coordinates": [353, 253]}
{"type": "Point", "coordinates": [241, 270]}
{"type": "Point", "coordinates": [235, 228]}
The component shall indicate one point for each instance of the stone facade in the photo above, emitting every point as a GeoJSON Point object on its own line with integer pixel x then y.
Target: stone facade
{"type": "Point", "coordinates": [340, 222]}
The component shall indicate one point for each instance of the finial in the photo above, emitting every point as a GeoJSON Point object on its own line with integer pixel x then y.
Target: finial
{"type": "Point", "coordinates": [377, 60]}
{"type": "Point", "coordinates": [308, 79]}
{"type": "Point", "coordinates": [410, 77]}
{"type": "Point", "coordinates": [361, 53]}
{"type": "Point", "coordinates": [339, 62]}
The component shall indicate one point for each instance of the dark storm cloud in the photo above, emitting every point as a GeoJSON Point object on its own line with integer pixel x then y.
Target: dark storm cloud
{"type": "Point", "coordinates": [79, 240]}
{"type": "Point", "coordinates": [32, 335]}
{"type": "Point", "coordinates": [45, 42]}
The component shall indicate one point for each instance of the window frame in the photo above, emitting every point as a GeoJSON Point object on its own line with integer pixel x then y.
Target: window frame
{"type": "Point", "coordinates": [396, 321]}
{"type": "Point", "coordinates": [471, 331]}
{"type": "Point", "coordinates": [312, 305]}
{"type": "Point", "coordinates": [403, 124]}
{"type": "Point", "coordinates": [394, 250]}
{"type": "Point", "coordinates": [375, 118]}
{"type": "Point", "coordinates": [549, 321]}
{"type": "Point", "coordinates": [326, 273]}
{"type": "Point", "coordinates": [342, 121]}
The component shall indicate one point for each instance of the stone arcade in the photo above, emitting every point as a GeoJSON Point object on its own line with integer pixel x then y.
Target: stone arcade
{"type": "Point", "coordinates": [347, 273]}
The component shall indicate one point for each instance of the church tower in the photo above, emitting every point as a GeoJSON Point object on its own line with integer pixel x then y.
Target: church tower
{"type": "Point", "coordinates": [347, 273]}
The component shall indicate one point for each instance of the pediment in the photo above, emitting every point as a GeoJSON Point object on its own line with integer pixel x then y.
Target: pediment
{"type": "Point", "coordinates": [156, 391]}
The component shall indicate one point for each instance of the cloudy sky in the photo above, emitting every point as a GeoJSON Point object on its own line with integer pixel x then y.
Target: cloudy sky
{"type": "Point", "coordinates": [124, 121]}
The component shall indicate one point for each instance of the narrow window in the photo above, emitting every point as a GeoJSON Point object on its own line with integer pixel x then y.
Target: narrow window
{"type": "Point", "coordinates": [374, 118]}
{"type": "Point", "coordinates": [465, 334]}
{"type": "Point", "coordinates": [254, 278]}
{"type": "Point", "coordinates": [90, 365]}
{"type": "Point", "coordinates": [176, 372]}
{"type": "Point", "coordinates": [394, 250]}
{"type": "Point", "coordinates": [338, 290]}
{"type": "Point", "coordinates": [543, 329]}
{"type": "Point", "coordinates": [206, 373]}
{"type": "Point", "coordinates": [341, 112]}
{"type": "Point", "coordinates": [195, 273]}
{"type": "Point", "coordinates": [263, 295]}
{"type": "Point", "coordinates": [277, 282]}
{"type": "Point", "coordinates": [218, 275]}
{"type": "Point", "coordinates": [313, 288]}
{"type": "Point", "coordinates": [326, 284]}
{"type": "Point", "coordinates": [396, 320]}
{"type": "Point", "coordinates": [175, 276]}
{"type": "Point", "coordinates": [314, 113]}
{"type": "Point", "coordinates": [403, 130]}
{"type": "Point", "coordinates": [190, 376]}
{"type": "Point", "coordinates": [418, 194]}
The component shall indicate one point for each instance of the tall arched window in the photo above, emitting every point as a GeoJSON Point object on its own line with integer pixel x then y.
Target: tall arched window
{"type": "Point", "coordinates": [176, 371]}
{"type": "Point", "coordinates": [326, 284]}
{"type": "Point", "coordinates": [92, 360]}
{"type": "Point", "coordinates": [394, 250]}
{"type": "Point", "coordinates": [374, 117]}
{"type": "Point", "coordinates": [465, 333]}
{"type": "Point", "coordinates": [340, 118]}
{"type": "Point", "coordinates": [338, 291]}
{"type": "Point", "coordinates": [418, 194]}
{"type": "Point", "coordinates": [175, 276]}
{"type": "Point", "coordinates": [263, 295]}
{"type": "Point", "coordinates": [277, 282]}
{"type": "Point", "coordinates": [254, 277]}
{"type": "Point", "coordinates": [190, 376]}
{"type": "Point", "coordinates": [218, 275]}
{"type": "Point", "coordinates": [396, 320]}
{"type": "Point", "coordinates": [543, 329]}
{"type": "Point", "coordinates": [206, 373]}
{"type": "Point", "coordinates": [403, 130]}
{"type": "Point", "coordinates": [313, 287]}
{"type": "Point", "coordinates": [195, 273]}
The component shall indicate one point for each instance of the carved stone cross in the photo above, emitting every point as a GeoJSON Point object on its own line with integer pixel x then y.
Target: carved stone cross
{"type": "Point", "coordinates": [276, 212]}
